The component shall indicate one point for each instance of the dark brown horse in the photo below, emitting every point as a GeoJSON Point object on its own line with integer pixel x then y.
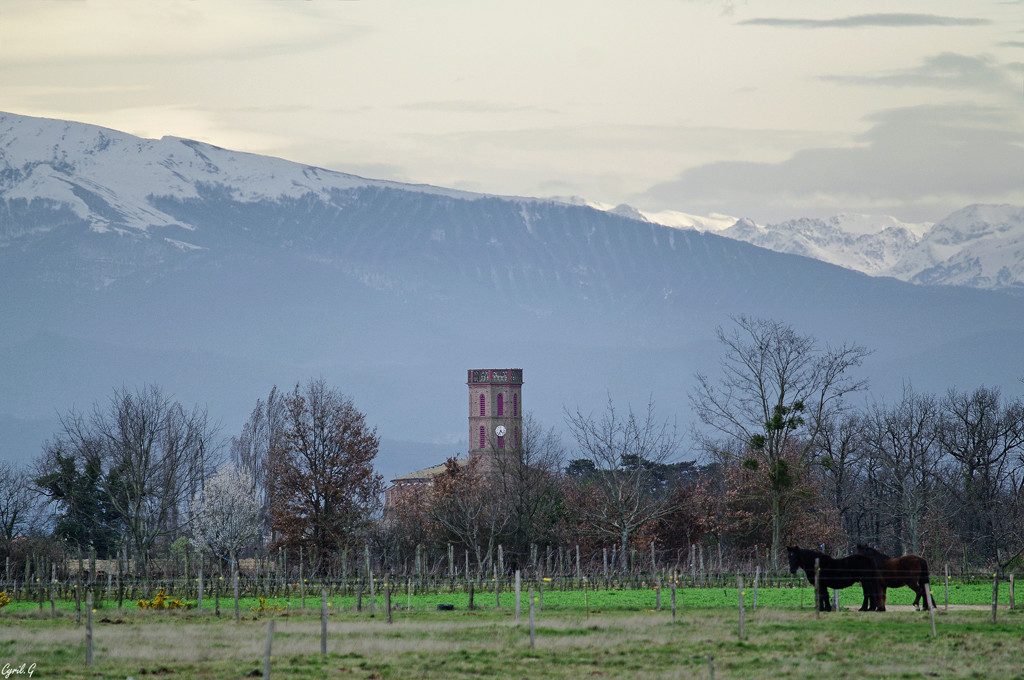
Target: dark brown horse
{"type": "Point", "coordinates": [894, 572]}
{"type": "Point", "coordinates": [836, 573]}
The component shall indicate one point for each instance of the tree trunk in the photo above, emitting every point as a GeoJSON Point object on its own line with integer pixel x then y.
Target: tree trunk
{"type": "Point", "coordinates": [776, 530]}
{"type": "Point", "coordinates": [625, 542]}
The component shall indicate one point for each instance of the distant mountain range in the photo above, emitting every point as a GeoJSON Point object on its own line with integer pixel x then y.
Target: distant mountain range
{"type": "Point", "coordinates": [218, 274]}
{"type": "Point", "coordinates": [981, 246]}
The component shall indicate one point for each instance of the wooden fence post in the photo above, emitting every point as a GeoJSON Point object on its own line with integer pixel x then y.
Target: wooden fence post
{"type": "Point", "coordinates": [531, 620]}
{"type": "Point", "coordinates": [739, 584]}
{"type": "Point", "coordinates": [373, 597]}
{"type": "Point", "coordinates": [78, 599]}
{"type": "Point", "coordinates": [673, 595]}
{"type": "Point", "coordinates": [757, 577]}
{"type": "Point", "coordinates": [323, 621]}
{"type": "Point", "coordinates": [518, 595]}
{"type": "Point", "coordinates": [995, 595]}
{"type": "Point", "coordinates": [947, 588]}
{"type": "Point", "coordinates": [930, 605]}
{"type": "Point", "coordinates": [817, 573]}
{"type": "Point", "coordinates": [266, 649]}
{"type": "Point", "coordinates": [88, 629]}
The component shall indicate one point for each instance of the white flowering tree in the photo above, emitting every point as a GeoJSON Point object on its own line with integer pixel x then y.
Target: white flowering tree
{"type": "Point", "coordinates": [226, 513]}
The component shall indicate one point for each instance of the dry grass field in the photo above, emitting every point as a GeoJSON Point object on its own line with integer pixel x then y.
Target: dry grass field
{"type": "Point", "coordinates": [778, 643]}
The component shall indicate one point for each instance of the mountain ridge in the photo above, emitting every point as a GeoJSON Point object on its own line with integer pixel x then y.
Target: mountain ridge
{"type": "Point", "coordinates": [980, 246]}
{"type": "Point", "coordinates": [217, 287]}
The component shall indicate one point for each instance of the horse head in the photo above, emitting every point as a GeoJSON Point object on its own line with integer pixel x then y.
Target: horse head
{"type": "Point", "coordinates": [794, 558]}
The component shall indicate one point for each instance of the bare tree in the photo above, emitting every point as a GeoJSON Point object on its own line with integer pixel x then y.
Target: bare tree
{"type": "Point", "coordinates": [226, 514]}
{"type": "Point", "coordinates": [149, 455]}
{"type": "Point", "coordinates": [902, 441]}
{"type": "Point", "coordinates": [618, 480]}
{"type": "Point", "coordinates": [528, 483]}
{"type": "Point", "coordinates": [251, 448]}
{"type": "Point", "coordinates": [775, 391]}
{"type": "Point", "coordinates": [463, 506]}
{"type": "Point", "coordinates": [20, 505]}
{"type": "Point", "coordinates": [840, 455]}
{"type": "Point", "coordinates": [985, 438]}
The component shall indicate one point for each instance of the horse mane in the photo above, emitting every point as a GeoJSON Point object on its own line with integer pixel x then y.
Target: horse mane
{"type": "Point", "coordinates": [871, 552]}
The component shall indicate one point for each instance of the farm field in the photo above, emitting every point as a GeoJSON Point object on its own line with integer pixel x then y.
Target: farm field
{"type": "Point", "coordinates": [620, 635]}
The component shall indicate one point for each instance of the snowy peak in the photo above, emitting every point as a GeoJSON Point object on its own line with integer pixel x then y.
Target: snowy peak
{"type": "Point", "coordinates": [865, 243]}
{"type": "Point", "coordinates": [980, 246]}
{"type": "Point", "coordinates": [979, 222]}
{"type": "Point", "coordinates": [59, 173]}
{"type": "Point", "coordinates": [108, 178]}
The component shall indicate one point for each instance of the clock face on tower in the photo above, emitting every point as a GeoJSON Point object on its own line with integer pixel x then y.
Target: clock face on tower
{"type": "Point", "coordinates": [500, 430]}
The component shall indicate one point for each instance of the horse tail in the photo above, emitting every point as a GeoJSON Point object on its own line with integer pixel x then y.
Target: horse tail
{"type": "Point", "coordinates": [927, 584]}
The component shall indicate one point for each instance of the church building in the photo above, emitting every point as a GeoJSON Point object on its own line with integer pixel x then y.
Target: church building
{"type": "Point", "coordinates": [495, 426]}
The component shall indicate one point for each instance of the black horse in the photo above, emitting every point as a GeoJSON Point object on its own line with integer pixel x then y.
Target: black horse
{"type": "Point", "coordinates": [837, 573]}
{"type": "Point", "coordinates": [893, 572]}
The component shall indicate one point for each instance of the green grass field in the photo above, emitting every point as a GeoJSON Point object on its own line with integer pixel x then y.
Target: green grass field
{"type": "Point", "coordinates": [620, 634]}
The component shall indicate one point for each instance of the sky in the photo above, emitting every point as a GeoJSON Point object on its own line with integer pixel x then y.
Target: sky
{"type": "Point", "coordinates": [769, 110]}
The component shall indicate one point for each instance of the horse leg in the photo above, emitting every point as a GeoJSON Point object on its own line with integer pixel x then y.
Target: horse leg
{"type": "Point", "coordinates": [870, 597]}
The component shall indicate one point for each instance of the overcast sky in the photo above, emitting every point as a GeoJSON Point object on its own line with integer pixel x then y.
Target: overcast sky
{"type": "Point", "coordinates": [762, 109]}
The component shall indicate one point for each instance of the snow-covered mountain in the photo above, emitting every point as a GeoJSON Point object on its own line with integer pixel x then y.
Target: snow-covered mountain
{"type": "Point", "coordinates": [218, 274]}
{"type": "Point", "coordinates": [981, 246]}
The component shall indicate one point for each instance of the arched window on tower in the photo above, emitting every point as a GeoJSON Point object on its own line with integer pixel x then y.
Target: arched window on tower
{"type": "Point", "coordinates": [483, 405]}
{"type": "Point", "coordinates": [501, 442]}
{"type": "Point", "coordinates": [483, 437]}
{"type": "Point", "coordinates": [501, 404]}
{"type": "Point", "coordinates": [515, 405]}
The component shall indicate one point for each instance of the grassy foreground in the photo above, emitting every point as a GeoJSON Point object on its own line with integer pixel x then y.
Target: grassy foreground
{"type": "Point", "coordinates": [426, 643]}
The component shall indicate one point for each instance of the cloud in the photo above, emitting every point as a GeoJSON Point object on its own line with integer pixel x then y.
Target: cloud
{"type": "Point", "coordinates": [947, 70]}
{"type": "Point", "coordinates": [894, 20]}
{"type": "Point", "coordinates": [466, 106]}
{"type": "Point", "coordinates": [77, 33]}
{"type": "Point", "coordinates": [916, 163]}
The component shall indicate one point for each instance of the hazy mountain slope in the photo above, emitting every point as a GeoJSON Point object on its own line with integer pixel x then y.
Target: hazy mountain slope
{"type": "Point", "coordinates": [235, 273]}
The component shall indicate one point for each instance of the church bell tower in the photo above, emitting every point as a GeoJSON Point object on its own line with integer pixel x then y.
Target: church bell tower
{"type": "Point", "coordinates": [495, 411]}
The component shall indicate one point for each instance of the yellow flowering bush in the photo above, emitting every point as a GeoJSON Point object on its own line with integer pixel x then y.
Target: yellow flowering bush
{"type": "Point", "coordinates": [5, 599]}
{"type": "Point", "coordinates": [161, 601]}
{"type": "Point", "coordinates": [263, 607]}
